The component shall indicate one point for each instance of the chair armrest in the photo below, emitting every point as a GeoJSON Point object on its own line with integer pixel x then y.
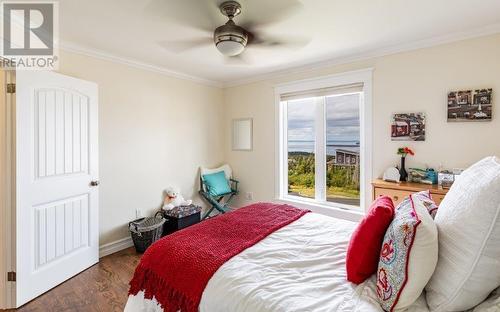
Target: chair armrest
{"type": "Point", "coordinates": [234, 184]}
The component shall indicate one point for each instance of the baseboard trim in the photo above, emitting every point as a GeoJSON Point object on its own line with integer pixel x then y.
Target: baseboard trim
{"type": "Point", "coordinates": [117, 245]}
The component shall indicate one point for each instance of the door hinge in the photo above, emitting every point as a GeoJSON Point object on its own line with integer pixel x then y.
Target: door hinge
{"type": "Point", "coordinates": [11, 276]}
{"type": "Point", "coordinates": [11, 88]}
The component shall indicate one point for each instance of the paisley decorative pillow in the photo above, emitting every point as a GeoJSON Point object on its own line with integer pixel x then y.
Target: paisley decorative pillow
{"type": "Point", "coordinates": [408, 256]}
{"type": "Point", "coordinates": [426, 198]}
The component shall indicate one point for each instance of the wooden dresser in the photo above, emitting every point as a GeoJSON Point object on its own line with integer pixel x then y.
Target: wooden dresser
{"type": "Point", "coordinates": [398, 191]}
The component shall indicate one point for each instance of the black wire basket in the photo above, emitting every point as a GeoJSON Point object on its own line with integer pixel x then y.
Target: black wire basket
{"type": "Point", "coordinates": [146, 231]}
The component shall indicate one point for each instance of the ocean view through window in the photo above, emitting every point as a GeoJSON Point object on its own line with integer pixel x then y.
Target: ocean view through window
{"type": "Point", "coordinates": [324, 143]}
{"type": "Point", "coordinates": [342, 147]}
{"type": "Point", "coordinates": [301, 147]}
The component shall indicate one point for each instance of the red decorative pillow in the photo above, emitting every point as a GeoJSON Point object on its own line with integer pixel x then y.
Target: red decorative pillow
{"type": "Point", "coordinates": [364, 248]}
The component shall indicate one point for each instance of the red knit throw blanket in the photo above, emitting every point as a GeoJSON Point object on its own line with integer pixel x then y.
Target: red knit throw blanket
{"type": "Point", "coordinates": [176, 269]}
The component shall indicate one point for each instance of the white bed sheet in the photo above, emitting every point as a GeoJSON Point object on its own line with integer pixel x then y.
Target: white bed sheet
{"type": "Point", "coordinates": [300, 267]}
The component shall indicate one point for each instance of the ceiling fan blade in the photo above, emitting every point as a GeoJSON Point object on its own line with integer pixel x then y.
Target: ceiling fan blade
{"type": "Point", "coordinates": [255, 17]}
{"type": "Point", "coordinates": [179, 46]}
{"type": "Point", "coordinates": [199, 14]}
{"type": "Point", "coordinates": [285, 41]}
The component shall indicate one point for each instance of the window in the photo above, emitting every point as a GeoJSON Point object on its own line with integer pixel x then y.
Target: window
{"type": "Point", "coordinates": [342, 148]}
{"type": "Point", "coordinates": [301, 147]}
{"type": "Point", "coordinates": [323, 141]}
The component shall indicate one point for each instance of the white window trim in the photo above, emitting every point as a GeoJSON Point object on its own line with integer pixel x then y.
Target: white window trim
{"type": "Point", "coordinates": [366, 125]}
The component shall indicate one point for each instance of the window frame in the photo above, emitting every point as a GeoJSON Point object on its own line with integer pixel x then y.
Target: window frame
{"type": "Point", "coordinates": [281, 131]}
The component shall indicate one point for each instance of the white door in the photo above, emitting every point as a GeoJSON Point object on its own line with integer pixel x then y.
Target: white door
{"type": "Point", "coordinates": [57, 173]}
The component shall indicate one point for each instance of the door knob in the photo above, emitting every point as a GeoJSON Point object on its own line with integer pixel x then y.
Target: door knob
{"type": "Point", "coordinates": [94, 183]}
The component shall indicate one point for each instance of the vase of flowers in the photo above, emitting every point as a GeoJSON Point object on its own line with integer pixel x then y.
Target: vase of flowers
{"type": "Point", "coordinates": [403, 151]}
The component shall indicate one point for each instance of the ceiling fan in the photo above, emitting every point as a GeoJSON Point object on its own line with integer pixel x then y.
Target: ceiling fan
{"type": "Point", "coordinates": [231, 39]}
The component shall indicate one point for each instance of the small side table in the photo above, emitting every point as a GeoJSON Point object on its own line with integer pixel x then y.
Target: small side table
{"type": "Point", "coordinates": [180, 217]}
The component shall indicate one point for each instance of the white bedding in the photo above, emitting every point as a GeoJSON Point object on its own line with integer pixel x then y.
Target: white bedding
{"type": "Point", "coordinates": [300, 267]}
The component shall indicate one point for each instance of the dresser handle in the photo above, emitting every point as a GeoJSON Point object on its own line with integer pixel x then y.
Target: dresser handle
{"type": "Point", "coordinates": [395, 198]}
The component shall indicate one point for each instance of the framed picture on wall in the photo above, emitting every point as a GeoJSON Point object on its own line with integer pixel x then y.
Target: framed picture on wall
{"type": "Point", "coordinates": [408, 127]}
{"type": "Point", "coordinates": [467, 105]}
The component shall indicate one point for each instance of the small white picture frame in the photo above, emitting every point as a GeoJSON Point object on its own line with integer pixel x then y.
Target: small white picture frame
{"type": "Point", "coordinates": [242, 134]}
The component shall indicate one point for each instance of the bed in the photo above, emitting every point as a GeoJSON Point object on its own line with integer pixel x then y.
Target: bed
{"type": "Point", "coordinates": [300, 267]}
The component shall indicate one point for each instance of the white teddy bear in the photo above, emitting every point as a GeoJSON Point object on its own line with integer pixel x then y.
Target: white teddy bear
{"type": "Point", "coordinates": [174, 198]}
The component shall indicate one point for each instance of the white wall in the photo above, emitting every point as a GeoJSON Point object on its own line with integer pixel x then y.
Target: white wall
{"type": "Point", "coordinates": [412, 81]}
{"type": "Point", "coordinates": [154, 131]}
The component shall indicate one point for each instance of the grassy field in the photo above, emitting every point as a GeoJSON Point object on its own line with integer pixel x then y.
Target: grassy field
{"type": "Point", "coordinates": [339, 192]}
{"type": "Point", "coordinates": [342, 181]}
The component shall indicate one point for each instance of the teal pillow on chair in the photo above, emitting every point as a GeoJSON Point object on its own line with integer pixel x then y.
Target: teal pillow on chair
{"type": "Point", "coordinates": [216, 183]}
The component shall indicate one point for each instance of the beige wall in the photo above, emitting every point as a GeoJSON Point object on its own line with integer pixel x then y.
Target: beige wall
{"type": "Point", "coordinates": [154, 131]}
{"type": "Point", "coordinates": [7, 189]}
{"type": "Point", "coordinates": [3, 189]}
{"type": "Point", "coordinates": [410, 81]}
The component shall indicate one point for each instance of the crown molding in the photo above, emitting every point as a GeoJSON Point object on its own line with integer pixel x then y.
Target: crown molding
{"type": "Point", "coordinates": [79, 49]}
{"type": "Point", "coordinates": [379, 52]}
{"type": "Point", "coordinates": [330, 62]}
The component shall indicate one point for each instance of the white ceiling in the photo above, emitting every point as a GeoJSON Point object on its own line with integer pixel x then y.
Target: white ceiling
{"type": "Point", "coordinates": [145, 30]}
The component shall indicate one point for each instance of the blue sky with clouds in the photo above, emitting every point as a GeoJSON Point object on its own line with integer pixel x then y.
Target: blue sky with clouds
{"type": "Point", "coordinates": [342, 113]}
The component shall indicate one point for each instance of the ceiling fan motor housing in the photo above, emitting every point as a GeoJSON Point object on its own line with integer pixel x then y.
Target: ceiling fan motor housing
{"type": "Point", "coordinates": [230, 39]}
{"type": "Point", "coordinates": [230, 31]}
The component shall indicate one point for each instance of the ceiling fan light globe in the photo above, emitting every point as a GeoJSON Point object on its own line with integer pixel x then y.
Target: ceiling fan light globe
{"type": "Point", "coordinates": [230, 48]}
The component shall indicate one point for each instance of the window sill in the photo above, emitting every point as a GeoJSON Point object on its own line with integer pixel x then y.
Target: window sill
{"type": "Point", "coordinates": [325, 209]}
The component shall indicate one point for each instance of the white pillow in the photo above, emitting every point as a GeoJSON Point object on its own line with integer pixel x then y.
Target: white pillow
{"type": "Point", "coordinates": [227, 171]}
{"type": "Point", "coordinates": [491, 304]}
{"type": "Point", "coordinates": [468, 267]}
{"type": "Point", "coordinates": [408, 257]}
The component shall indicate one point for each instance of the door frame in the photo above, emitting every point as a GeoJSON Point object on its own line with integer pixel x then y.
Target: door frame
{"type": "Point", "coordinates": [7, 206]}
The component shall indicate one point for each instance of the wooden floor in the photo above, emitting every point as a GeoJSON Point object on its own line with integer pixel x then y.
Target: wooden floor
{"type": "Point", "coordinates": [103, 287]}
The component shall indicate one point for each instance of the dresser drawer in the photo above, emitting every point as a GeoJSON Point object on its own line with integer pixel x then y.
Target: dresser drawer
{"type": "Point", "coordinates": [397, 196]}
{"type": "Point", "coordinates": [398, 191]}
